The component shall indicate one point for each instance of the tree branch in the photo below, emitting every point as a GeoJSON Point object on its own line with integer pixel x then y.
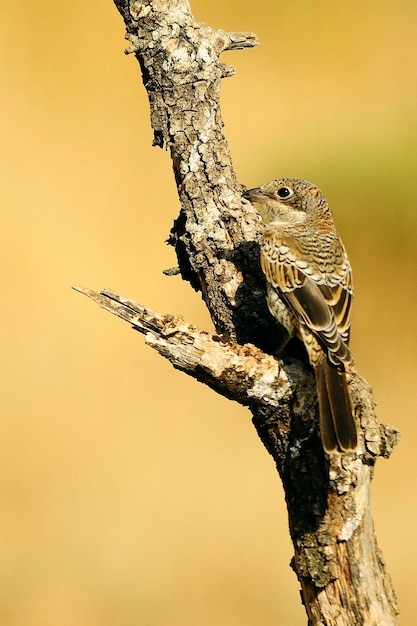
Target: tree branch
{"type": "Point", "coordinates": [242, 373]}
{"type": "Point", "coordinates": [216, 237]}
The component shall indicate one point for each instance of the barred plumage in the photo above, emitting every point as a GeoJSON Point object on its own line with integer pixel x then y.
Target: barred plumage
{"type": "Point", "coordinates": [309, 291]}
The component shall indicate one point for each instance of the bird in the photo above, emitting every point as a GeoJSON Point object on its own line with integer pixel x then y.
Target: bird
{"type": "Point", "coordinates": [309, 291]}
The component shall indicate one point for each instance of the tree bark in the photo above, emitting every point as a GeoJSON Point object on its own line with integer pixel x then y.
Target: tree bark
{"type": "Point", "coordinates": [216, 236]}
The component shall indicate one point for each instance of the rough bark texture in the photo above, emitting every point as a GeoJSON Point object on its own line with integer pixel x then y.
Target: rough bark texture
{"type": "Point", "coordinates": [338, 563]}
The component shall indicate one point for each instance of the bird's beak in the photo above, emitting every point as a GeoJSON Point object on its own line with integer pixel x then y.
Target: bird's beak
{"type": "Point", "coordinates": [255, 195]}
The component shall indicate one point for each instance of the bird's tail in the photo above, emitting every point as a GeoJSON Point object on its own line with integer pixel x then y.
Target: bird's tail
{"type": "Point", "coordinates": [337, 423]}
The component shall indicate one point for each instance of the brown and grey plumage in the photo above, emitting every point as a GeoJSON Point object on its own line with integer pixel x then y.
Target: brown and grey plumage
{"type": "Point", "coordinates": [309, 291]}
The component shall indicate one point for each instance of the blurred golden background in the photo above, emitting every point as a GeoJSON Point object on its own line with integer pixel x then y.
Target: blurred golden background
{"type": "Point", "coordinates": [131, 494]}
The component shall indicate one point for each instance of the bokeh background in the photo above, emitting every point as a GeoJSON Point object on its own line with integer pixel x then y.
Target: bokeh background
{"type": "Point", "coordinates": [129, 493]}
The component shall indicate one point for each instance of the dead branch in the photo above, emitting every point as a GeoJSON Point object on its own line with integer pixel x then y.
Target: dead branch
{"type": "Point", "coordinates": [340, 568]}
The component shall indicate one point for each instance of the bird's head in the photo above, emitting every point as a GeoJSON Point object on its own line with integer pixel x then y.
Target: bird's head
{"type": "Point", "coordinates": [289, 200]}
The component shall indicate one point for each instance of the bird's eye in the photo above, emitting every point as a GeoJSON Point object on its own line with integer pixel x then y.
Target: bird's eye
{"type": "Point", "coordinates": [284, 192]}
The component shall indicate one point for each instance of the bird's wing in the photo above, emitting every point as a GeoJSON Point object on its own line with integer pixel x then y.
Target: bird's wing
{"type": "Point", "coordinates": [320, 302]}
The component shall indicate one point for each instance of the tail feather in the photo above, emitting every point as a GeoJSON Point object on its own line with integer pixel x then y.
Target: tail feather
{"type": "Point", "coordinates": [337, 423]}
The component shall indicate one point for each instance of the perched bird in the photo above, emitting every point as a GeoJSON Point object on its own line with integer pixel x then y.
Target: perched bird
{"type": "Point", "coordinates": [309, 292]}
